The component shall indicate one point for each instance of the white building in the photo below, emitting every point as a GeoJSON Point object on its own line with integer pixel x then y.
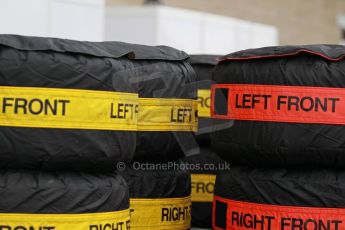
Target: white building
{"type": "Point", "coordinates": [191, 31]}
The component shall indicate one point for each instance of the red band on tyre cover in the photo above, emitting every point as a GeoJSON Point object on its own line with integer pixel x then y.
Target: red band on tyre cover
{"type": "Point", "coordinates": [294, 53]}
{"type": "Point", "coordinates": [236, 215]}
{"type": "Point", "coordinates": [296, 104]}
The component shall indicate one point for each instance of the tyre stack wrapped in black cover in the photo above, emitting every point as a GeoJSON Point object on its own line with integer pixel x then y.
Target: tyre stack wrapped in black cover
{"type": "Point", "coordinates": [162, 77]}
{"type": "Point", "coordinates": [57, 63]}
{"type": "Point", "coordinates": [287, 156]}
{"type": "Point", "coordinates": [163, 74]}
{"type": "Point", "coordinates": [160, 199]}
{"type": "Point", "coordinates": [283, 144]}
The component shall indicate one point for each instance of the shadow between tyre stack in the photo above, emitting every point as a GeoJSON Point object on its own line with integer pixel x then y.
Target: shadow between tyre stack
{"type": "Point", "coordinates": [204, 165]}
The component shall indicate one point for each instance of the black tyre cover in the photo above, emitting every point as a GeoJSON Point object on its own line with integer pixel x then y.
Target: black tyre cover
{"type": "Point", "coordinates": [274, 144]}
{"type": "Point", "coordinates": [168, 76]}
{"type": "Point", "coordinates": [283, 199]}
{"type": "Point", "coordinates": [203, 168]}
{"type": "Point", "coordinates": [62, 200]}
{"type": "Point", "coordinates": [57, 63]}
{"type": "Point", "coordinates": [61, 192]}
{"type": "Point", "coordinates": [164, 196]}
{"type": "Point", "coordinates": [106, 66]}
{"type": "Point", "coordinates": [203, 66]}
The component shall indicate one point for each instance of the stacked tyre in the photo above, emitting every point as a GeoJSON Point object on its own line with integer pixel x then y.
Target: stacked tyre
{"type": "Point", "coordinates": [286, 144]}
{"type": "Point", "coordinates": [62, 134]}
{"type": "Point", "coordinates": [159, 199]}
{"type": "Point", "coordinates": [159, 189]}
{"type": "Point", "coordinates": [204, 165]}
{"type": "Point", "coordinates": [61, 105]}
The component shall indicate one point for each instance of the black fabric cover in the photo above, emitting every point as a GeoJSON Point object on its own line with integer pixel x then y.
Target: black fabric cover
{"type": "Point", "coordinates": [275, 144]}
{"type": "Point", "coordinates": [203, 66]}
{"type": "Point", "coordinates": [205, 156]}
{"type": "Point", "coordinates": [106, 66]}
{"type": "Point", "coordinates": [308, 188]}
{"type": "Point", "coordinates": [61, 192]}
{"type": "Point", "coordinates": [202, 211]}
{"type": "Point", "coordinates": [164, 78]}
{"type": "Point", "coordinates": [155, 184]}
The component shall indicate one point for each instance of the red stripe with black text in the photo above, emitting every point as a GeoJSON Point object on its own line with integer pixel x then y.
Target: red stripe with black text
{"type": "Point", "coordinates": [298, 104]}
{"type": "Point", "coordinates": [236, 215]}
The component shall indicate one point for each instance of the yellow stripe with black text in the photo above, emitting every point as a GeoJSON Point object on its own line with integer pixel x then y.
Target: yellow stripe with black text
{"type": "Point", "coordinates": [67, 108]}
{"type": "Point", "coordinates": [95, 110]}
{"type": "Point", "coordinates": [202, 187]}
{"type": "Point", "coordinates": [96, 221]}
{"type": "Point", "coordinates": [161, 214]}
{"type": "Point", "coordinates": [167, 114]}
{"type": "Point", "coordinates": [204, 103]}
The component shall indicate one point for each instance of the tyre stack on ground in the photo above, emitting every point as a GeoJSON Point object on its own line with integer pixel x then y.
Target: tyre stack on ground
{"type": "Point", "coordinates": [287, 143]}
{"type": "Point", "coordinates": [159, 189]}
{"type": "Point", "coordinates": [203, 166]}
{"type": "Point", "coordinates": [67, 118]}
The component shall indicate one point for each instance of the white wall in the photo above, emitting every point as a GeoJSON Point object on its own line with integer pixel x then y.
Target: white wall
{"type": "Point", "coordinates": [131, 24]}
{"type": "Point", "coordinates": [28, 19]}
{"type": "Point", "coordinates": [180, 28]}
{"type": "Point", "coordinates": [77, 19]}
{"type": "Point", "coordinates": [191, 31]}
{"type": "Point", "coordinates": [74, 19]}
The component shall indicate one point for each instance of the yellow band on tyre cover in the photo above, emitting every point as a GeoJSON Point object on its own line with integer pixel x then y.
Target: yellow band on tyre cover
{"type": "Point", "coordinates": [161, 214]}
{"type": "Point", "coordinates": [203, 187]}
{"type": "Point", "coordinates": [67, 108]}
{"type": "Point", "coordinates": [97, 221]}
{"type": "Point", "coordinates": [166, 114]}
{"type": "Point", "coordinates": [204, 103]}
{"type": "Point", "coordinates": [95, 110]}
